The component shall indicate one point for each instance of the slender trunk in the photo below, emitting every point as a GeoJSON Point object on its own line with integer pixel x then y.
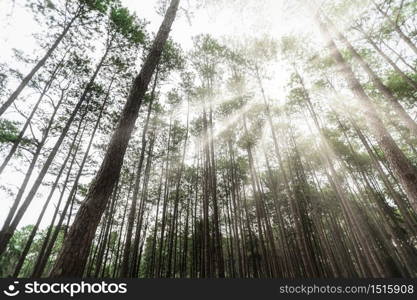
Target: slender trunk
{"type": "Point", "coordinates": [142, 208]}
{"type": "Point", "coordinates": [19, 138]}
{"type": "Point", "coordinates": [126, 262]}
{"type": "Point", "coordinates": [108, 221]}
{"type": "Point", "coordinates": [43, 259]}
{"type": "Point", "coordinates": [159, 268]}
{"type": "Point", "coordinates": [177, 198]}
{"type": "Point", "coordinates": [39, 65]}
{"type": "Point", "coordinates": [74, 253]}
{"type": "Point", "coordinates": [404, 76]}
{"type": "Point", "coordinates": [397, 28]}
{"type": "Point", "coordinates": [381, 87]}
{"type": "Point", "coordinates": [40, 217]}
{"type": "Point", "coordinates": [43, 254]}
{"type": "Point", "coordinates": [8, 232]}
{"type": "Point", "coordinates": [399, 56]}
{"type": "Point", "coordinates": [151, 272]}
{"type": "Point", "coordinates": [404, 170]}
{"type": "Point", "coordinates": [216, 219]}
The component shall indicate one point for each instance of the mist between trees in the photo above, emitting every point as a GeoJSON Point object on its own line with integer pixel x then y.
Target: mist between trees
{"type": "Point", "coordinates": [288, 154]}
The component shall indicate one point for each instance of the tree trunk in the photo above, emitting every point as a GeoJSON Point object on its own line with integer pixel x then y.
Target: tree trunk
{"type": "Point", "coordinates": [8, 232]}
{"type": "Point", "coordinates": [397, 28]}
{"type": "Point", "coordinates": [381, 87]}
{"type": "Point", "coordinates": [74, 253]}
{"type": "Point", "coordinates": [36, 68]}
{"type": "Point", "coordinates": [126, 262]}
{"type": "Point", "coordinates": [402, 167]}
{"type": "Point", "coordinates": [404, 76]}
{"type": "Point", "coordinates": [177, 197]}
{"type": "Point", "coordinates": [8, 228]}
{"type": "Point", "coordinates": [29, 119]}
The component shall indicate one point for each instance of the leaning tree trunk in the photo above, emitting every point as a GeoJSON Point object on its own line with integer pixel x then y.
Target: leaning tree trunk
{"type": "Point", "coordinates": [44, 253]}
{"type": "Point", "coordinates": [403, 169]}
{"type": "Point", "coordinates": [7, 232]}
{"type": "Point", "coordinates": [73, 256]}
{"type": "Point", "coordinates": [397, 28]}
{"type": "Point", "coordinates": [19, 138]}
{"type": "Point", "coordinates": [35, 228]}
{"type": "Point", "coordinates": [28, 174]}
{"type": "Point", "coordinates": [348, 209]}
{"type": "Point", "coordinates": [380, 86]}
{"type": "Point", "coordinates": [404, 76]}
{"type": "Point", "coordinates": [399, 56]}
{"type": "Point", "coordinates": [32, 234]}
{"type": "Point", "coordinates": [36, 68]}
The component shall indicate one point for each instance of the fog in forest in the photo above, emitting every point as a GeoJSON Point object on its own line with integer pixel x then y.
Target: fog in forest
{"type": "Point", "coordinates": [208, 139]}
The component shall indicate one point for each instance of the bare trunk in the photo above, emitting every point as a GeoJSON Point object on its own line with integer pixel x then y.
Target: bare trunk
{"type": "Point", "coordinates": [74, 253]}
{"type": "Point", "coordinates": [36, 68]}
{"type": "Point", "coordinates": [403, 169]}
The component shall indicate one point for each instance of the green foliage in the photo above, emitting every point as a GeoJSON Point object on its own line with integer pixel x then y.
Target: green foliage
{"type": "Point", "coordinates": [207, 55]}
{"type": "Point", "coordinates": [399, 86]}
{"type": "Point", "coordinates": [127, 24]}
{"type": "Point", "coordinates": [41, 6]}
{"type": "Point", "coordinates": [9, 131]}
{"type": "Point", "coordinates": [172, 58]}
{"type": "Point", "coordinates": [3, 83]}
{"type": "Point", "coordinates": [289, 44]}
{"type": "Point", "coordinates": [264, 48]}
{"type": "Point", "coordinates": [97, 5]}
{"type": "Point", "coordinates": [15, 248]}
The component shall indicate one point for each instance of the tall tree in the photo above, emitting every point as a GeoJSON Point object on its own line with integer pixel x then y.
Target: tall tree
{"type": "Point", "coordinates": [80, 236]}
